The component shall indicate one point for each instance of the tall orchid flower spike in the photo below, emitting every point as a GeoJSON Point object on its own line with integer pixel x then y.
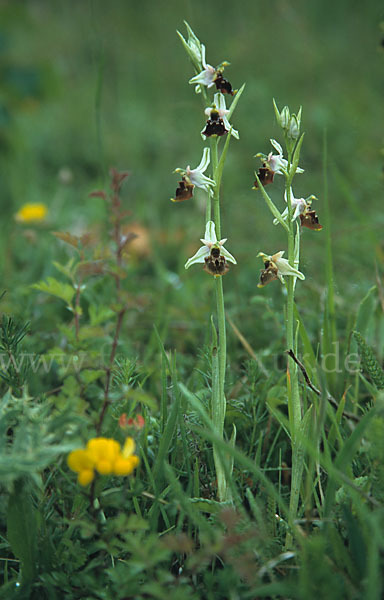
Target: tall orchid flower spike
{"type": "Point", "coordinates": [217, 123]}
{"type": "Point", "coordinates": [212, 254]}
{"type": "Point", "coordinates": [275, 267]}
{"type": "Point", "coordinates": [194, 177]}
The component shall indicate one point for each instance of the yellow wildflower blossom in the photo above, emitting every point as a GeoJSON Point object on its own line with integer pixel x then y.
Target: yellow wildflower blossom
{"type": "Point", "coordinates": [127, 461]}
{"type": "Point", "coordinates": [31, 213]}
{"type": "Point", "coordinates": [104, 452]}
{"type": "Point", "coordinates": [105, 456]}
{"type": "Point", "coordinates": [81, 463]}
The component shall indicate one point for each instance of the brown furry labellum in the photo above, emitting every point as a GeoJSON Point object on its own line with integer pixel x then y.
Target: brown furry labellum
{"type": "Point", "coordinates": [215, 125]}
{"type": "Point", "coordinates": [184, 191]}
{"type": "Point", "coordinates": [310, 220]}
{"type": "Point", "coordinates": [215, 264]}
{"type": "Point", "coordinates": [266, 175]}
{"type": "Point", "coordinates": [268, 274]}
{"type": "Point", "coordinates": [223, 85]}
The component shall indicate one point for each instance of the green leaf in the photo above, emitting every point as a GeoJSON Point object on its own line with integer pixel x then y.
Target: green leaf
{"type": "Point", "coordinates": [270, 204]}
{"type": "Point", "coordinates": [141, 397]}
{"type": "Point", "coordinates": [209, 506]}
{"type": "Point", "coordinates": [68, 270]}
{"type": "Point", "coordinates": [308, 356]}
{"type": "Point", "coordinates": [89, 375]}
{"type": "Point", "coordinates": [296, 156]}
{"type": "Point", "coordinates": [193, 40]}
{"type": "Point", "coordinates": [166, 440]}
{"type": "Point", "coordinates": [366, 310]}
{"type": "Point", "coordinates": [99, 314]}
{"type": "Point", "coordinates": [369, 361]}
{"type": "Point", "coordinates": [346, 454]}
{"type": "Point", "coordinates": [56, 288]}
{"type": "Point", "coordinates": [235, 101]}
{"type": "Point", "coordinates": [22, 529]}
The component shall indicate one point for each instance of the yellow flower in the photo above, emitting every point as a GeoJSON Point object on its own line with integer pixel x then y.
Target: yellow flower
{"type": "Point", "coordinates": [105, 456]}
{"type": "Point", "coordinates": [31, 213]}
{"type": "Point", "coordinates": [104, 453]}
{"type": "Point", "coordinates": [127, 461]}
{"type": "Point", "coordinates": [80, 462]}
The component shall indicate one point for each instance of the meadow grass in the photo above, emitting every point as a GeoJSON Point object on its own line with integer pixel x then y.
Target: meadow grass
{"type": "Point", "coordinates": [93, 335]}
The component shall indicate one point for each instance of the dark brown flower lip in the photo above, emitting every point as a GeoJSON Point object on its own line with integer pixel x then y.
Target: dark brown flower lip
{"type": "Point", "coordinates": [215, 265]}
{"type": "Point", "coordinates": [184, 191]}
{"type": "Point", "coordinates": [310, 220]}
{"type": "Point", "coordinates": [215, 126]}
{"type": "Point", "coordinates": [265, 175]}
{"type": "Point", "coordinates": [268, 274]}
{"type": "Point", "coordinates": [223, 85]}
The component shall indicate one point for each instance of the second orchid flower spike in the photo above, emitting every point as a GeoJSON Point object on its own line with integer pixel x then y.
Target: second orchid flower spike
{"type": "Point", "coordinates": [212, 254]}
{"type": "Point", "coordinates": [275, 267]}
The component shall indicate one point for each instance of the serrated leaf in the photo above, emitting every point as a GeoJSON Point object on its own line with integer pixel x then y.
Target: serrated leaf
{"type": "Point", "coordinates": [56, 288]}
{"type": "Point", "coordinates": [89, 375]}
{"type": "Point", "coordinates": [100, 314]}
{"type": "Point", "coordinates": [67, 237]}
{"type": "Point", "coordinates": [68, 269]}
{"type": "Point", "coordinates": [90, 267]}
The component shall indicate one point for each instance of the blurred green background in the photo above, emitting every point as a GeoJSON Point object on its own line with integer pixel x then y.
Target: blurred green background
{"type": "Point", "coordinates": [88, 85]}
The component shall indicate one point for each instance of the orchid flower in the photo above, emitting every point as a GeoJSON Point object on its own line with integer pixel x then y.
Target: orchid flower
{"type": "Point", "coordinates": [275, 162]}
{"type": "Point", "coordinates": [217, 114]}
{"type": "Point", "coordinates": [207, 76]}
{"type": "Point", "coordinates": [194, 177]}
{"type": "Point", "coordinates": [212, 253]}
{"type": "Point", "coordinates": [275, 267]}
{"type": "Point", "coordinates": [301, 208]}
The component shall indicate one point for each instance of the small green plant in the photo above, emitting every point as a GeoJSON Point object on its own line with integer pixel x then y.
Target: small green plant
{"type": "Point", "coordinates": [14, 371]}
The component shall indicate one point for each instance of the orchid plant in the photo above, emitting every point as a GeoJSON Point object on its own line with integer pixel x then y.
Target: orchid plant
{"type": "Point", "coordinates": [298, 213]}
{"type": "Point", "coordinates": [212, 254]}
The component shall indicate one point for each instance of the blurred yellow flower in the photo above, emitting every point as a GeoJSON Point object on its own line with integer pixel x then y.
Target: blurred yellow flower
{"type": "Point", "coordinates": [105, 456]}
{"type": "Point", "coordinates": [31, 213]}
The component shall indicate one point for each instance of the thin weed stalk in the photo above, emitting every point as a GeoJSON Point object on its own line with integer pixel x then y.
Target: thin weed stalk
{"type": "Point", "coordinates": [120, 241]}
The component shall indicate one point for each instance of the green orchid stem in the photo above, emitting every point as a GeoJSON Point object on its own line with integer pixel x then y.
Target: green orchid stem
{"type": "Point", "coordinates": [218, 396]}
{"type": "Point", "coordinates": [216, 195]}
{"type": "Point", "coordinates": [208, 209]}
{"type": "Point", "coordinates": [294, 403]}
